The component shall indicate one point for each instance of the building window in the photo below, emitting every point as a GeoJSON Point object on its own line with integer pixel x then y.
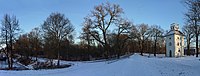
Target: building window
{"type": "Point", "coordinates": [178, 44]}
{"type": "Point", "coordinates": [170, 38]}
{"type": "Point", "coordinates": [170, 44]}
{"type": "Point", "coordinates": [177, 37]}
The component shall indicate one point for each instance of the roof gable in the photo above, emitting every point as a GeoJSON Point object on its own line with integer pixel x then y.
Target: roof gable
{"type": "Point", "coordinates": [176, 32]}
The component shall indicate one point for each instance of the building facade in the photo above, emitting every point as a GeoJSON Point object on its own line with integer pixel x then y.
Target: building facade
{"type": "Point", "coordinates": [174, 42]}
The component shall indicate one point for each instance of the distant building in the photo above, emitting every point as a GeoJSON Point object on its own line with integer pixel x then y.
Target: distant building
{"type": "Point", "coordinates": [174, 42]}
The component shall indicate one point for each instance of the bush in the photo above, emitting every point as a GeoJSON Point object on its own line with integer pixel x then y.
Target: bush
{"type": "Point", "coordinates": [47, 65]}
{"type": "Point", "coordinates": [25, 61]}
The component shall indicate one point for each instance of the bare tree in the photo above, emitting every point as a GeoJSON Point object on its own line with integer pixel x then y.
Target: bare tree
{"type": "Point", "coordinates": [142, 35]}
{"type": "Point", "coordinates": [193, 18]}
{"type": "Point", "coordinates": [156, 32]}
{"type": "Point", "coordinates": [57, 28]}
{"type": "Point", "coordinates": [102, 17]}
{"type": "Point", "coordinates": [188, 32]}
{"type": "Point", "coordinates": [35, 40]}
{"type": "Point", "coordinates": [49, 48]}
{"type": "Point", "coordinates": [133, 41]}
{"type": "Point", "coordinates": [22, 46]}
{"type": "Point", "coordinates": [122, 35]}
{"type": "Point", "coordinates": [86, 33]}
{"type": "Point", "coordinates": [10, 29]}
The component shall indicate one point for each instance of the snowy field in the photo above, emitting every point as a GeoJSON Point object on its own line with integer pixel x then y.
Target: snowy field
{"type": "Point", "coordinates": [135, 65]}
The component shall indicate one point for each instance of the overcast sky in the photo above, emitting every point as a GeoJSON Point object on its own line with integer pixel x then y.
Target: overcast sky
{"type": "Point", "coordinates": [32, 13]}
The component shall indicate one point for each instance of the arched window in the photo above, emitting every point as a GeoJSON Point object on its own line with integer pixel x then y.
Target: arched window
{"type": "Point", "coordinates": [170, 44]}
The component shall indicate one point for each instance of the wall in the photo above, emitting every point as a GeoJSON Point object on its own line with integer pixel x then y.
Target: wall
{"type": "Point", "coordinates": [179, 39]}
{"type": "Point", "coordinates": [168, 47]}
{"type": "Point", "coordinates": [177, 42]}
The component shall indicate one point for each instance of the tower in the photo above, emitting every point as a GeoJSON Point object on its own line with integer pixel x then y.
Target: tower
{"type": "Point", "coordinates": [174, 42]}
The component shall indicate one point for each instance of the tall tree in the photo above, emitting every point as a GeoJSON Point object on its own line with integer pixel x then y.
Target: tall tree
{"type": "Point", "coordinates": [86, 33]}
{"type": "Point", "coordinates": [57, 28]}
{"type": "Point", "coordinates": [22, 46]}
{"type": "Point", "coordinates": [156, 32]}
{"type": "Point", "coordinates": [193, 18]}
{"type": "Point", "coordinates": [121, 35]}
{"type": "Point", "coordinates": [142, 35]}
{"type": "Point", "coordinates": [188, 32]}
{"type": "Point", "coordinates": [10, 29]}
{"type": "Point", "coordinates": [35, 40]}
{"type": "Point", "coordinates": [102, 17]}
{"type": "Point", "coordinates": [49, 48]}
{"type": "Point", "coordinates": [133, 41]}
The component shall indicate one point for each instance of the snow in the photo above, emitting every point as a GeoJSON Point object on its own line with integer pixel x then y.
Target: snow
{"type": "Point", "coordinates": [135, 65]}
{"type": "Point", "coordinates": [4, 64]}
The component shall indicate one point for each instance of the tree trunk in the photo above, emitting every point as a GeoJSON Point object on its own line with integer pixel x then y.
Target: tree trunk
{"type": "Point", "coordinates": [88, 46]}
{"type": "Point", "coordinates": [58, 63]}
{"type": "Point", "coordinates": [197, 35]}
{"type": "Point", "coordinates": [155, 45]}
{"type": "Point", "coordinates": [11, 54]}
{"type": "Point", "coordinates": [141, 44]}
{"type": "Point", "coordinates": [197, 49]}
{"type": "Point", "coordinates": [36, 58]}
{"type": "Point", "coordinates": [7, 50]}
{"type": "Point", "coordinates": [106, 49]}
{"type": "Point", "coordinates": [188, 47]}
{"type": "Point", "coordinates": [36, 50]}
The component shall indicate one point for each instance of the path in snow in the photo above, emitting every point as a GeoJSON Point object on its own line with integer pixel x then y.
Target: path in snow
{"type": "Point", "coordinates": [134, 66]}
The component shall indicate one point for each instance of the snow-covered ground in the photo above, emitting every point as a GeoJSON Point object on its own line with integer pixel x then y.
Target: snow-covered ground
{"type": "Point", "coordinates": [135, 65]}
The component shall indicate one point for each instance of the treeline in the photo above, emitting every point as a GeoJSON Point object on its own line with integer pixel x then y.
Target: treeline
{"type": "Point", "coordinates": [191, 28]}
{"type": "Point", "coordinates": [105, 34]}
